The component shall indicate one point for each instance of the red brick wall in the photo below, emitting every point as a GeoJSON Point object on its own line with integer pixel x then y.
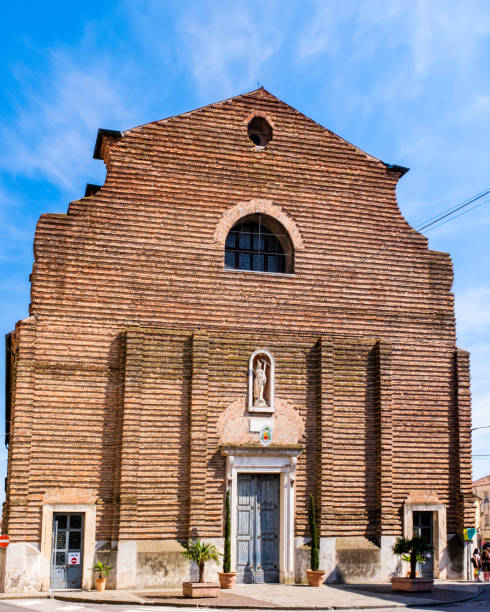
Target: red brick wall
{"type": "Point", "coordinates": [144, 251]}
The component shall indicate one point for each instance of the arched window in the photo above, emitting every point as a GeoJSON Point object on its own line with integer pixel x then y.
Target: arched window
{"type": "Point", "coordinates": [259, 243]}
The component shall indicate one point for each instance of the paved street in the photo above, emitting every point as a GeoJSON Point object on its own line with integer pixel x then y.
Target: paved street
{"type": "Point", "coordinates": [481, 602]}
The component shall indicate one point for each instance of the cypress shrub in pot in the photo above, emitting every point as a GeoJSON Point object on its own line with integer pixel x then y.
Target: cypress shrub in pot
{"type": "Point", "coordinates": [227, 577]}
{"type": "Point", "coordinates": [315, 575]}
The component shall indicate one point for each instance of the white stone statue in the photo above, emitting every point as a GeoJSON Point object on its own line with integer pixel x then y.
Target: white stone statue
{"type": "Point", "coordinates": [261, 374]}
{"type": "Point", "coordinates": [260, 383]}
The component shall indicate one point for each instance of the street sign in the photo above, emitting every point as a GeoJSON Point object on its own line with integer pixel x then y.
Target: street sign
{"type": "Point", "coordinates": [74, 558]}
{"type": "Point", "coordinates": [469, 533]}
{"type": "Point", "coordinates": [4, 541]}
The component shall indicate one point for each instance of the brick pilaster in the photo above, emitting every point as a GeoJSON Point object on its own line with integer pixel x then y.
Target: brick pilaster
{"type": "Point", "coordinates": [387, 519]}
{"type": "Point", "coordinates": [198, 433]}
{"type": "Point", "coordinates": [130, 437]}
{"type": "Point", "coordinates": [18, 525]}
{"type": "Point", "coordinates": [466, 510]}
{"type": "Point", "coordinates": [326, 486]}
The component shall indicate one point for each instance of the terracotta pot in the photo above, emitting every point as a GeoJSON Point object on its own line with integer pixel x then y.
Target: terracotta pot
{"type": "Point", "coordinates": [315, 577]}
{"type": "Point", "coordinates": [413, 585]}
{"type": "Point", "coordinates": [227, 579]}
{"type": "Point", "coordinates": [100, 584]}
{"type": "Point", "coordinates": [200, 589]}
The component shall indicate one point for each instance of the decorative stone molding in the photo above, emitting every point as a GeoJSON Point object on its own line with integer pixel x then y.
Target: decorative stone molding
{"type": "Point", "coordinates": [266, 207]}
{"type": "Point", "coordinates": [293, 460]}
{"type": "Point", "coordinates": [69, 495]}
{"type": "Point", "coordinates": [422, 497]}
{"type": "Point", "coordinates": [270, 460]}
{"type": "Point", "coordinates": [259, 113]}
{"type": "Point", "coordinates": [233, 426]}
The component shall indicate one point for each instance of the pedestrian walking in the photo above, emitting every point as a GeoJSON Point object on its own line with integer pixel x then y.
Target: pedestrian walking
{"type": "Point", "coordinates": [476, 563]}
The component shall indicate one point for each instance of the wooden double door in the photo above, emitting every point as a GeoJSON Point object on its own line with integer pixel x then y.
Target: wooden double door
{"type": "Point", "coordinates": [257, 528]}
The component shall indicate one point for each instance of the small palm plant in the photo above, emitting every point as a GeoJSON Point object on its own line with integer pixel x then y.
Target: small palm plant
{"type": "Point", "coordinates": [412, 550]}
{"type": "Point", "coordinates": [201, 553]}
{"type": "Point", "coordinates": [102, 568]}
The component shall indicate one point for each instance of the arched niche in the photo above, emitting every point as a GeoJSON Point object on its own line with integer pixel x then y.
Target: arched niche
{"type": "Point", "coordinates": [261, 381]}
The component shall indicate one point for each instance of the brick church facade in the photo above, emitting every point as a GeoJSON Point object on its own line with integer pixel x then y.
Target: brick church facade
{"type": "Point", "coordinates": [240, 306]}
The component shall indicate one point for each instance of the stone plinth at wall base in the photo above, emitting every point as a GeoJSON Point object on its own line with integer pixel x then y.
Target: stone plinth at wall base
{"type": "Point", "coordinates": [315, 577]}
{"type": "Point", "coordinates": [200, 589]}
{"type": "Point", "coordinates": [413, 585]}
{"type": "Point", "coordinates": [227, 579]}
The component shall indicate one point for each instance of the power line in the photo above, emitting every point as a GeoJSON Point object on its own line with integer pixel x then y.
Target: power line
{"type": "Point", "coordinates": [449, 211]}
{"type": "Point", "coordinates": [441, 218]}
{"type": "Point", "coordinates": [460, 214]}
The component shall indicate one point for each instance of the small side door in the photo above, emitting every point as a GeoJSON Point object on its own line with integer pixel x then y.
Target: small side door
{"type": "Point", "coordinates": [67, 551]}
{"type": "Point", "coordinates": [423, 525]}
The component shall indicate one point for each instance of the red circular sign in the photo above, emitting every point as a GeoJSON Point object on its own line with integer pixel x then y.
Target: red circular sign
{"type": "Point", "coordinates": [4, 541]}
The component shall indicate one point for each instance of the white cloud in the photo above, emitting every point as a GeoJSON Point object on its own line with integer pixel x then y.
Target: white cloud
{"type": "Point", "coordinates": [52, 132]}
{"type": "Point", "coordinates": [323, 33]}
{"type": "Point", "coordinates": [226, 50]}
{"type": "Point", "coordinates": [425, 34]}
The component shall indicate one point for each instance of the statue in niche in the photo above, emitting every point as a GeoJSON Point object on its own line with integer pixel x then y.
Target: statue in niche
{"type": "Point", "coordinates": [261, 381]}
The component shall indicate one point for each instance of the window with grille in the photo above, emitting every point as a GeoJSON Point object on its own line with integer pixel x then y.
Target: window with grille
{"type": "Point", "coordinates": [260, 244]}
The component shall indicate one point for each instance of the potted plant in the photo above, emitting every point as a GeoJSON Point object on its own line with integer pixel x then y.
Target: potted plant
{"type": "Point", "coordinates": [200, 553]}
{"type": "Point", "coordinates": [227, 577]}
{"type": "Point", "coordinates": [103, 570]}
{"type": "Point", "coordinates": [315, 576]}
{"type": "Point", "coordinates": [412, 550]}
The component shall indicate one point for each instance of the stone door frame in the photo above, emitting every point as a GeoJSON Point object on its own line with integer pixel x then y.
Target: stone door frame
{"type": "Point", "coordinates": [243, 460]}
{"type": "Point", "coordinates": [88, 541]}
{"type": "Point", "coordinates": [439, 531]}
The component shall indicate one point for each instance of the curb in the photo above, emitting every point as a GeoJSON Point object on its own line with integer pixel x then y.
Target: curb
{"type": "Point", "coordinates": [6, 597]}
{"type": "Point", "coordinates": [446, 603]}
{"type": "Point", "coordinates": [151, 602]}
{"type": "Point", "coordinates": [124, 602]}
{"type": "Point", "coordinates": [116, 602]}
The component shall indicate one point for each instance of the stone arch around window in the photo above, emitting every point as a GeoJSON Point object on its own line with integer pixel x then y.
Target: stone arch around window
{"type": "Point", "coordinates": [274, 219]}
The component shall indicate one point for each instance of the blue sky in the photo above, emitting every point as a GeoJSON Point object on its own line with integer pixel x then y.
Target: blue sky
{"type": "Point", "coordinates": [408, 82]}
